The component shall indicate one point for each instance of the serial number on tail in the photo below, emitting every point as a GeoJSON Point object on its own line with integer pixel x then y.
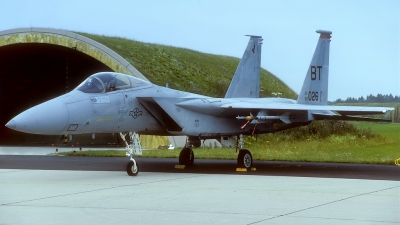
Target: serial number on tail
{"type": "Point", "coordinates": [312, 96]}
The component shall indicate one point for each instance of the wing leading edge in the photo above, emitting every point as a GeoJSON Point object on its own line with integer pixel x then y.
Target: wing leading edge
{"type": "Point", "coordinates": [342, 110]}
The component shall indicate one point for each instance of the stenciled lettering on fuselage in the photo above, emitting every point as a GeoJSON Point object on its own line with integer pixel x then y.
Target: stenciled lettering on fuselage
{"type": "Point", "coordinates": [311, 95]}
{"type": "Point", "coordinates": [135, 113]}
{"type": "Point", "coordinates": [100, 100]}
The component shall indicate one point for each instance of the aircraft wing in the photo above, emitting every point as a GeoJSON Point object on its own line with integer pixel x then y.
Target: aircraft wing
{"type": "Point", "coordinates": [319, 116]}
{"type": "Point", "coordinates": [342, 110]}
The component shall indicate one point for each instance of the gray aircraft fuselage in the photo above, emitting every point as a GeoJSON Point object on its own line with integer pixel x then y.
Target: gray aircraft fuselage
{"type": "Point", "coordinates": [166, 112]}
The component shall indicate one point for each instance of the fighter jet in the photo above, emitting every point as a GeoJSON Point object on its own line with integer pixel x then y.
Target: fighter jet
{"type": "Point", "coordinates": [108, 102]}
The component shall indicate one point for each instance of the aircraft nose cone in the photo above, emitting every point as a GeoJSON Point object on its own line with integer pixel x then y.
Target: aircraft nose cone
{"type": "Point", "coordinates": [50, 117]}
{"type": "Point", "coordinates": [11, 124]}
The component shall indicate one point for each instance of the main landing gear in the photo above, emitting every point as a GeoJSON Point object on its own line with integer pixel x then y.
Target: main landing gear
{"type": "Point", "coordinates": [186, 157]}
{"type": "Point", "coordinates": [134, 148]}
{"type": "Point", "coordinates": [244, 159]}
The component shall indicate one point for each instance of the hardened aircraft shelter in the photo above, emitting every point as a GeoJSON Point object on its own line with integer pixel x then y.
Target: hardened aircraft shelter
{"type": "Point", "coordinates": [37, 64]}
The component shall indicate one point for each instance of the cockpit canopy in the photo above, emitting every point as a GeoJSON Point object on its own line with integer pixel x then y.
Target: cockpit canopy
{"type": "Point", "coordinates": [109, 81]}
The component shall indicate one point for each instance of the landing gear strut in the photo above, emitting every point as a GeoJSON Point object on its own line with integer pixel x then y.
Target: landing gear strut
{"type": "Point", "coordinates": [134, 148]}
{"type": "Point", "coordinates": [244, 159]}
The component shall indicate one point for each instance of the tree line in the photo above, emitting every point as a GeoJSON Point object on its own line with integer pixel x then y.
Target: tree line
{"type": "Point", "coordinates": [379, 98]}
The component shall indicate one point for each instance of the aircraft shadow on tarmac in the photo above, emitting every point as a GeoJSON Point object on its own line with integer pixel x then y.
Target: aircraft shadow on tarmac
{"type": "Point", "coordinates": [204, 166]}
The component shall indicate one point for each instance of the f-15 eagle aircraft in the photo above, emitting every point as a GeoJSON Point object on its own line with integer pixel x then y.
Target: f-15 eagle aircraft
{"type": "Point", "coordinates": [110, 102]}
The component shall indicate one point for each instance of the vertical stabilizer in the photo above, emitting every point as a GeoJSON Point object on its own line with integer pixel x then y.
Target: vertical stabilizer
{"type": "Point", "coordinates": [246, 81]}
{"type": "Point", "coordinates": [315, 86]}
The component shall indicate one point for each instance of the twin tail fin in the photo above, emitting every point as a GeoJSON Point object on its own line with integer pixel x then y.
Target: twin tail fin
{"type": "Point", "coordinates": [315, 86]}
{"type": "Point", "coordinates": [246, 81]}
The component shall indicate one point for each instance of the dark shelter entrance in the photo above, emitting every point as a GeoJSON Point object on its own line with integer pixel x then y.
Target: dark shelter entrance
{"type": "Point", "coordinates": [31, 73]}
{"type": "Point", "coordinates": [38, 64]}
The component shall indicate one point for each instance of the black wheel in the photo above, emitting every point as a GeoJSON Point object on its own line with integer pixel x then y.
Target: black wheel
{"type": "Point", "coordinates": [245, 159]}
{"type": "Point", "coordinates": [131, 169]}
{"type": "Point", "coordinates": [186, 157]}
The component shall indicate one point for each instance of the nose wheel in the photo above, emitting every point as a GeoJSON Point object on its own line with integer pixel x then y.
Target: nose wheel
{"type": "Point", "coordinates": [132, 168]}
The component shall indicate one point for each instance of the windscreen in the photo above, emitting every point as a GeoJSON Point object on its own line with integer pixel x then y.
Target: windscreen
{"type": "Point", "coordinates": [91, 85]}
{"type": "Point", "coordinates": [108, 82]}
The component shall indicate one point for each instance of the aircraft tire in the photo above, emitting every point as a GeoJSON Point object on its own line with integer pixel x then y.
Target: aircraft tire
{"type": "Point", "coordinates": [130, 169]}
{"type": "Point", "coordinates": [245, 159]}
{"type": "Point", "coordinates": [186, 157]}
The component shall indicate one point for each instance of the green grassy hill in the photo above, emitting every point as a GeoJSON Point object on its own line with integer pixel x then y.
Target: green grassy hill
{"type": "Point", "coordinates": [185, 69]}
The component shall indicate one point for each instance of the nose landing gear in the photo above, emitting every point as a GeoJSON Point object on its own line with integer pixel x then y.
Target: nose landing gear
{"type": "Point", "coordinates": [132, 149]}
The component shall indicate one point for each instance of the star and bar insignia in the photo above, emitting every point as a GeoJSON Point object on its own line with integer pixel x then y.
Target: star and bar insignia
{"type": "Point", "coordinates": [135, 113]}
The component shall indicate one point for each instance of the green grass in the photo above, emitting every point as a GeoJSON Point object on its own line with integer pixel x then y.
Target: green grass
{"type": "Point", "coordinates": [388, 130]}
{"type": "Point", "coordinates": [383, 148]}
{"type": "Point", "coordinates": [349, 149]}
{"type": "Point", "coordinates": [373, 143]}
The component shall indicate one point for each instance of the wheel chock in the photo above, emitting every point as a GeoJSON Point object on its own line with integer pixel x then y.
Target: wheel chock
{"type": "Point", "coordinates": [180, 167]}
{"type": "Point", "coordinates": [245, 170]}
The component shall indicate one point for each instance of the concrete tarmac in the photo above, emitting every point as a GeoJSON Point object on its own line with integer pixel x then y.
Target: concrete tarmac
{"type": "Point", "coordinates": [86, 190]}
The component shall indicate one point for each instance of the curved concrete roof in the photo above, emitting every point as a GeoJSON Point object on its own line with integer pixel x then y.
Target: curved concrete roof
{"type": "Point", "coordinates": [70, 40]}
